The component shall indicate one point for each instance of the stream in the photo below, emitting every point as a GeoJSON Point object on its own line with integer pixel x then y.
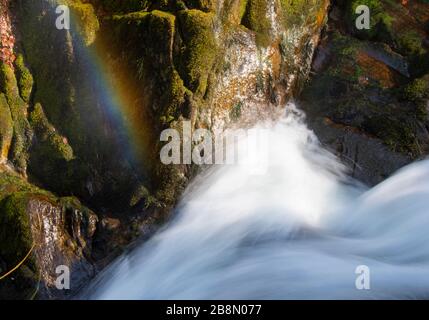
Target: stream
{"type": "Point", "coordinates": [299, 230]}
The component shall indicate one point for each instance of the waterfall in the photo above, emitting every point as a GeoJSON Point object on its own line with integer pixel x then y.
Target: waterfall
{"type": "Point", "coordinates": [297, 231]}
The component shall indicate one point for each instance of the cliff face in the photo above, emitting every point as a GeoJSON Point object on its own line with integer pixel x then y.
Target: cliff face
{"type": "Point", "coordinates": [367, 98]}
{"type": "Point", "coordinates": [81, 111]}
{"type": "Point", "coordinates": [216, 63]}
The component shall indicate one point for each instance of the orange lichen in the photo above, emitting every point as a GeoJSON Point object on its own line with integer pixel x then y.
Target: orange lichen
{"type": "Point", "coordinates": [376, 71]}
{"type": "Point", "coordinates": [7, 40]}
{"type": "Point", "coordinates": [320, 17]}
{"type": "Point", "coordinates": [276, 59]}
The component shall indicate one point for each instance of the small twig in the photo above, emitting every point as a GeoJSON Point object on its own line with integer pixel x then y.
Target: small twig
{"type": "Point", "coordinates": [37, 287]}
{"type": "Point", "coordinates": [19, 264]}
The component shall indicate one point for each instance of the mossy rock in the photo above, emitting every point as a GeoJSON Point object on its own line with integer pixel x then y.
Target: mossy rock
{"type": "Point", "coordinates": [15, 230]}
{"type": "Point", "coordinates": [175, 98]}
{"type": "Point", "coordinates": [6, 128]}
{"type": "Point", "coordinates": [296, 12]}
{"type": "Point", "coordinates": [256, 19]}
{"type": "Point", "coordinates": [59, 89]}
{"type": "Point", "coordinates": [52, 69]}
{"type": "Point", "coordinates": [11, 182]}
{"type": "Point", "coordinates": [200, 49]}
{"type": "Point", "coordinates": [410, 43]}
{"type": "Point", "coordinates": [25, 78]}
{"type": "Point", "coordinates": [19, 231]}
{"type": "Point", "coordinates": [398, 133]}
{"type": "Point", "coordinates": [153, 32]}
{"type": "Point", "coordinates": [52, 159]}
{"type": "Point", "coordinates": [417, 90]}
{"type": "Point", "coordinates": [154, 57]}
{"type": "Point", "coordinates": [142, 195]}
{"type": "Point", "coordinates": [162, 21]}
{"type": "Point", "coordinates": [86, 21]}
{"type": "Point", "coordinates": [69, 205]}
{"type": "Point", "coordinates": [53, 145]}
{"type": "Point", "coordinates": [8, 82]}
{"type": "Point", "coordinates": [18, 108]}
{"type": "Point", "coordinates": [16, 240]}
{"type": "Point", "coordinates": [346, 50]}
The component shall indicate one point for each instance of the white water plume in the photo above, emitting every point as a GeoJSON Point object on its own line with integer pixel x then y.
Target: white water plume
{"type": "Point", "coordinates": [298, 231]}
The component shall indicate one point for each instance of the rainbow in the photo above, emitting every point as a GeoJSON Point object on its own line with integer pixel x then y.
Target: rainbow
{"type": "Point", "coordinates": [121, 98]}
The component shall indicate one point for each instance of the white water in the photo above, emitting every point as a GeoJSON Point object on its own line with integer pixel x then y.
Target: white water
{"type": "Point", "coordinates": [296, 232]}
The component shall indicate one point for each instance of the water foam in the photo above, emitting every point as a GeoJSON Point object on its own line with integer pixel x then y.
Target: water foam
{"type": "Point", "coordinates": [298, 231]}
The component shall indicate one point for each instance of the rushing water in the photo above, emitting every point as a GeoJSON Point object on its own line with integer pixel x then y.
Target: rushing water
{"type": "Point", "coordinates": [297, 231]}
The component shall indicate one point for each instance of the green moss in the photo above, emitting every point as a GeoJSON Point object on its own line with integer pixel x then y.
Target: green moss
{"type": "Point", "coordinates": [25, 79]}
{"type": "Point", "coordinates": [243, 8]}
{"type": "Point", "coordinates": [156, 31]}
{"type": "Point", "coordinates": [16, 240]}
{"type": "Point", "coordinates": [87, 23]}
{"type": "Point", "coordinates": [153, 57]}
{"type": "Point", "coordinates": [18, 108]}
{"type": "Point", "coordinates": [156, 28]}
{"type": "Point", "coordinates": [295, 12]}
{"type": "Point", "coordinates": [51, 143]}
{"type": "Point", "coordinates": [131, 16]}
{"type": "Point", "coordinates": [8, 83]}
{"type": "Point", "coordinates": [175, 97]}
{"type": "Point", "coordinates": [345, 45]}
{"type": "Point", "coordinates": [181, 6]}
{"type": "Point", "coordinates": [15, 233]}
{"type": "Point", "coordinates": [52, 159]}
{"type": "Point", "coordinates": [200, 49]}
{"type": "Point", "coordinates": [164, 17]}
{"type": "Point", "coordinates": [71, 204]}
{"type": "Point", "coordinates": [410, 44]}
{"type": "Point", "coordinates": [417, 90]}
{"type": "Point", "coordinates": [142, 194]}
{"type": "Point", "coordinates": [38, 119]}
{"type": "Point", "coordinates": [418, 93]}
{"type": "Point", "coordinates": [177, 88]}
{"type": "Point", "coordinates": [52, 69]}
{"type": "Point", "coordinates": [256, 19]}
{"type": "Point", "coordinates": [345, 49]}
{"type": "Point", "coordinates": [398, 133]}
{"type": "Point", "coordinates": [6, 128]}
{"type": "Point", "coordinates": [11, 182]}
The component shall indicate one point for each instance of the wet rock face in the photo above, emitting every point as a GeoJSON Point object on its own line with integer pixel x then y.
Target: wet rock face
{"type": "Point", "coordinates": [217, 63]}
{"type": "Point", "coordinates": [368, 94]}
{"type": "Point", "coordinates": [56, 232]}
{"type": "Point", "coordinates": [62, 237]}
